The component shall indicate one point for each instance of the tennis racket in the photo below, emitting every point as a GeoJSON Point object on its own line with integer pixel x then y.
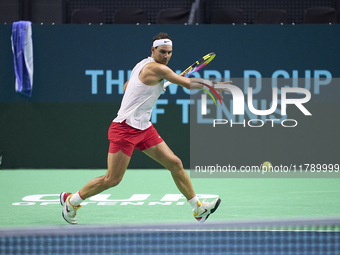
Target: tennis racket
{"type": "Point", "coordinates": [195, 66]}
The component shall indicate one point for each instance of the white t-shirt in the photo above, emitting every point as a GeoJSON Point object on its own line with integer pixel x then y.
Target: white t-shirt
{"type": "Point", "coordinates": [139, 99]}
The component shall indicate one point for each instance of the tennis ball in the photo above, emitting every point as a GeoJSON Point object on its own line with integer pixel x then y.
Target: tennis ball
{"type": "Point", "coordinates": [267, 166]}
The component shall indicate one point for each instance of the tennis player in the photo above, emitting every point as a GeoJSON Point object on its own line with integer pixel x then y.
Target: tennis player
{"type": "Point", "coordinates": [132, 129]}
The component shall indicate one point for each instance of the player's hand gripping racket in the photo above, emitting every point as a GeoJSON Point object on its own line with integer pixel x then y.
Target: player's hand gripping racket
{"type": "Point", "coordinates": [195, 66]}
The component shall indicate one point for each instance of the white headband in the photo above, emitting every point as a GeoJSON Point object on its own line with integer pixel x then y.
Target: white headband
{"type": "Point", "coordinates": [159, 42]}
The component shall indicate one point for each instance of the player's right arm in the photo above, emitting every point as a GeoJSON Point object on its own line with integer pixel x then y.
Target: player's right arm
{"type": "Point", "coordinates": [125, 85]}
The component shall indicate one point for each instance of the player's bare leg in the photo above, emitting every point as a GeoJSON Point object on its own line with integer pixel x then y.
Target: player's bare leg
{"type": "Point", "coordinates": [164, 155]}
{"type": "Point", "coordinates": [117, 164]}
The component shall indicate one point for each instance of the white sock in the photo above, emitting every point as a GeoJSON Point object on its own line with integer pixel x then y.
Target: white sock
{"type": "Point", "coordinates": [76, 199]}
{"type": "Point", "coordinates": [193, 203]}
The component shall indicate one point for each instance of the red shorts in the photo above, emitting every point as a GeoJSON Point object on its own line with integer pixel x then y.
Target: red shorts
{"type": "Point", "coordinates": [126, 138]}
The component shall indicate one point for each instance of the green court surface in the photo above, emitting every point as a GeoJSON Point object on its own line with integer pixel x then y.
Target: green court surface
{"type": "Point", "coordinates": [31, 198]}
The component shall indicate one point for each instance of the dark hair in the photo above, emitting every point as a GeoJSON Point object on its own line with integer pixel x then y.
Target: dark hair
{"type": "Point", "coordinates": [161, 36]}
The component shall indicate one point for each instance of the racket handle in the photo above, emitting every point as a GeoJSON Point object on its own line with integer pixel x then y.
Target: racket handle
{"type": "Point", "coordinates": [167, 84]}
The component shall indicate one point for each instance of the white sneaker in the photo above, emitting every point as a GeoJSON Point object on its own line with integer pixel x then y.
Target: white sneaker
{"type": "Point", "coordinates": [70, 211]}
{"type": "Point", "coordinates": [205, 209]}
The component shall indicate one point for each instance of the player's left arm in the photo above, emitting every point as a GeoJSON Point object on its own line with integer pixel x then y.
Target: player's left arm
{"type": "Point", "coordinates": [189, 83]}
{"type": "Point", "coordinates": [164, 72]}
